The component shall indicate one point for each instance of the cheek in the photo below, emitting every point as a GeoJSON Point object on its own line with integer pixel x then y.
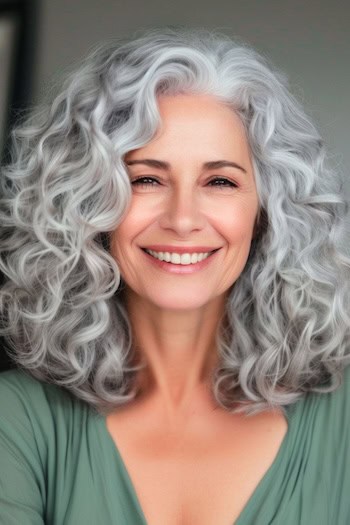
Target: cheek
{"type": "Point", "coordinates": [236, 225]}
{"type": "Point", "coordinates": [140, 215]}
{"type": "Point", "coordinates": [125, 232]}
{"type": "Point", "coordinates": [119, 241]}
{"type": "Point", "coordinates": [123, 242]}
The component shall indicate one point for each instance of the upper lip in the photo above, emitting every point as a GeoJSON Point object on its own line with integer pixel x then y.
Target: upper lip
{"type": "Point", "coordinates": [179, 249]}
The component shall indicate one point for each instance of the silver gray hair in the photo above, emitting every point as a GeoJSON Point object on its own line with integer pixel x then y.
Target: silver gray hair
{"type": "Point", "coordinates": [286, 326]}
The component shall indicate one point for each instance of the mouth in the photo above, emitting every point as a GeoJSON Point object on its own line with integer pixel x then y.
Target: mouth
{"type": "Point", "coordinates": [210, 253]}
{"type": "Point", "coordinates": [178, 268]}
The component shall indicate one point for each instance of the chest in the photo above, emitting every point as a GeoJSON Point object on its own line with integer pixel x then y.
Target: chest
{"type": "Point", "coordinates": [203, 477]}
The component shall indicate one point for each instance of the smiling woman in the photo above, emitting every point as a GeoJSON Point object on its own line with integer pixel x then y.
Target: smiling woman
{"type": "Point", "coordinates": [175, 299]}
{"type": "Point", "coordinates": [179, 208]}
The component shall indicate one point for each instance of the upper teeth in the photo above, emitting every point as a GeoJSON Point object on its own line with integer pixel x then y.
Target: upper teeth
{"type": "Point", "coordinates": [176, 258]}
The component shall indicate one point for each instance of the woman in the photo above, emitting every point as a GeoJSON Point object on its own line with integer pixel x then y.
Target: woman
{"type": "Point", "coordinates": [176, 302]}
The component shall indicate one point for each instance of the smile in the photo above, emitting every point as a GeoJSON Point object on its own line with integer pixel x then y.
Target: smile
{"type": "Point", "coordinates": [180, 263]}
{"type": "Point", "coordinates": [177, 258]}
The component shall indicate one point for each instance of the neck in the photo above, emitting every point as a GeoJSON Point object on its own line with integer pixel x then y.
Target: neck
{"type": "Point", "coordinates": [179, 349]}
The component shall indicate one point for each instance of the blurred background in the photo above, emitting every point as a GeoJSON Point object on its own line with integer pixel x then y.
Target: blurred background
{"type": "Point", "coordinates": [41, 41]}
{"type": "Point", "coordinates": [309, 40]}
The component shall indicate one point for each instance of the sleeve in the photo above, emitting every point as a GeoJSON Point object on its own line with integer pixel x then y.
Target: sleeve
{"type": "Point", "coordinates": [22, 479]}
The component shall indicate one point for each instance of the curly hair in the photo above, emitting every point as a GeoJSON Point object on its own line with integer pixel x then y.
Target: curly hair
{"type": "Point", "coordinates": [286, 326]}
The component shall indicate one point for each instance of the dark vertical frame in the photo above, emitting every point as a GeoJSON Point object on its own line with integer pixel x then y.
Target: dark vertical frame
{"type": "Point", "coordinates": [19, 86]}
{"type": "Point", "coordinates": [25, 15]}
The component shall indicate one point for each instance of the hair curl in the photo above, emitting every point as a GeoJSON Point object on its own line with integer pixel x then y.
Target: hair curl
{"type": "Point", "coordinates": [286, 326]}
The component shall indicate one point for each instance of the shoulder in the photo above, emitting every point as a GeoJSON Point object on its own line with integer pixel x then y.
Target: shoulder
{"type": "Point", "coordinates": [339, 399]}
{"type": "Point", "coordinates": [16, 383]}
{"type": "Point", "coordinates": [40, 423]}
{"type": "Point", "coordinates": [325, 417]}
{"type": "Point", "coordinates": [21, 392]}
{"type": "Point", "coordinates": [35, 408]}
{"type": "Point", "coordinates": [333, 447]}
{"type": "Point", "coordinates": [334, 404]}
{"type": "Point", "coordinates": [322, 420]}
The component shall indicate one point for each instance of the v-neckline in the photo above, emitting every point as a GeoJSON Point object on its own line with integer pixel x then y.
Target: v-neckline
{"type": "Point", "coordinates": [254, 498]}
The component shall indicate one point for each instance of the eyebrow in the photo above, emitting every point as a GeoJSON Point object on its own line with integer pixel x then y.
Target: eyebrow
{"type": "Point", "coordinates": [211, 165]}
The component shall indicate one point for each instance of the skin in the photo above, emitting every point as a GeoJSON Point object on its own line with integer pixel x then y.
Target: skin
{"type": "Point", "coordinates": [174, 317]}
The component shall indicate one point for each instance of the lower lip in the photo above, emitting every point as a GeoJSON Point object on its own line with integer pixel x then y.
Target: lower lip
{"type": "Point", "coordinates": [180, 268]}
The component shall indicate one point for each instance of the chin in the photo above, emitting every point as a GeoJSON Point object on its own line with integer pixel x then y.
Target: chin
{"type": "Point", "coordinates": [178, 302]}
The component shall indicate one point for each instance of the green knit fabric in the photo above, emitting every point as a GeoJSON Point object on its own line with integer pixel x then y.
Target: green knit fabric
{"type": "Point", "coordinates": [59, 465]}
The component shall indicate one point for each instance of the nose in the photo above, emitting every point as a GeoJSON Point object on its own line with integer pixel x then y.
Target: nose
{"type": "Point", "coordinates": [182, 212]}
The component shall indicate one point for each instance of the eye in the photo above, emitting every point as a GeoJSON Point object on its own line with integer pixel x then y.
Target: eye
{"type": "Point", "coordinates": [217, 182]}
{"type": "Point", "coordinates": [145, 181]}
{"type": "Point", "coordinates": [221, 182]}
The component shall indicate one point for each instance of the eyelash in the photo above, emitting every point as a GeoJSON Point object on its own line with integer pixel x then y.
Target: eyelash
{"type": "Point", "coordinates": [229, 183]}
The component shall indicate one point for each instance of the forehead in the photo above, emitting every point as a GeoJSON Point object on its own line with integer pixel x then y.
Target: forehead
{"type": "Point", "coordinates": [197, 124]}
{"type": "Point", "coordinates": [199, 109]}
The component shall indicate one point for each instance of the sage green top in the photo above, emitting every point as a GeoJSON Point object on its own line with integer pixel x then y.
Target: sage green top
{"type": "Point", "coordinates": [59, 464]}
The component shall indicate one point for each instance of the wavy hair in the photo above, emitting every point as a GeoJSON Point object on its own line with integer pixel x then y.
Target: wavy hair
{"type": "Point", "coordinates": [285, 331]}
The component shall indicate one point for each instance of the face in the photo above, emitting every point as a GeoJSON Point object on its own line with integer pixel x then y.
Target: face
{"type": "Point", "coordinates": [193, 192]}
